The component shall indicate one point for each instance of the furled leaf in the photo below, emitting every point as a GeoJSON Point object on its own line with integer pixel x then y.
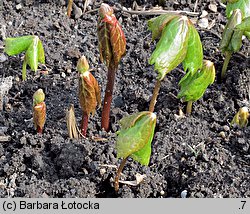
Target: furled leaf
{"type": "Point", "coordinates": [89, 92]}
{"type": "Point", "coordinates": [236, 41]}
{"type": "Point", "coordinates": [31, 56]}
{"type": "Point", "coordinates": [82, 65]}
{"type": "Point", "coordinates": [38, 97]}
{"type": "Point", "coordinates": [194, 85]}
{"type": "Point", "coordinates": [41, 56]}
{"type": "Point", "coordinates": [241, 118]}
{"type": "Point", "coordinates": [39, 109]}
{"type": "Point", "coordinates": [244, 25]}
{"type": "Point", "coordinates": [112, 42]}
{"type": "Point", "coordinates": [235, 19]}
{"type": "Point", "coordinates": [17, 45]}
{"type": "Point", "coordinates": [243, 5]}
{"type": "Point", "coordinates": [157, 24]}
{"type": "Point", "coordinates": [135, 136]}
{"type": "Point", "coordinates": [171, 50]}
{"type": "Point", "coordinates": [194, 57]}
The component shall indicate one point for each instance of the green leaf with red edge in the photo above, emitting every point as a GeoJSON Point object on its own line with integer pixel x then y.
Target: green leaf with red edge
{"type": "Point", "coordinates": [171, 49]}
{"type": "Point", "coordinates": [135, 137]}
{"type": "Point", "coordinates": [157, 24]}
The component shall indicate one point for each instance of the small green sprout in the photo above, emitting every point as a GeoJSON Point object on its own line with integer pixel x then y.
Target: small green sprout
{"type": "Point", "coordinates": [134, 139]}
{"type": "Point", "coordinates": [179, 43]}
{"type": "Point", "coordinates": [241, 118]}
{"type": "Point", "coordinates": [194, 84]}
{"type": "Point", "coordinates": [33, 47]}
{"type": "Point", "coordinates": [237, 12]}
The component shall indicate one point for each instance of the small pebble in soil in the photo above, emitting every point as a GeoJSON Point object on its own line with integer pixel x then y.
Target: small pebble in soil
{"type": "Point", "coordinates": [226, 128]}
{"type": "Point", "coordinates": [3, 58]}
{"type": "Point", "coordinates": [184, 194]}
{"type": "Point", "coordinates": [222, 134]}
{"type": "Point", "coordinates": [19, 6]}
{"type": "Point", "coordinates": [203, 23]}
{"type": "Point", "coordinates": [213, 8]}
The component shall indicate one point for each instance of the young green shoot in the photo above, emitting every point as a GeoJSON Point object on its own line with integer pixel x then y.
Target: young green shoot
{"type": "Point", "coordinates": [237, 11]}
{"type": "Point", "coordinates": [89, 92]}
{"type": "Point", "coordinates": [112, 46]}
{"type": "Point", "coordinates": [33, 47]}
{"type": "Point", "coordinates": [179, 43]}
{"type": "Point", "coordinates": [134, 139]}
{"type": "Point", "coordinates": [39, 110]}
{"type": "Point", "coordinates": [241, 118]}
{"type": "Point", "coordinates": [194, 84]}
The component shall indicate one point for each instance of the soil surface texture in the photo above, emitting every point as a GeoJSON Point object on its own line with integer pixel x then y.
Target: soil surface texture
{"type": "Point", "coordinates": [201, 153]}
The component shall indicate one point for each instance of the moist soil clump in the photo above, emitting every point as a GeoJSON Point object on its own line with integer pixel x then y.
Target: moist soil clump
{"type": "Point", "coordinates": [200, 153]}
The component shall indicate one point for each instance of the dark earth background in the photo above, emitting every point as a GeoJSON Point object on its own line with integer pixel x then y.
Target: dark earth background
{"type": "Point", "coordinates": [201, 153]}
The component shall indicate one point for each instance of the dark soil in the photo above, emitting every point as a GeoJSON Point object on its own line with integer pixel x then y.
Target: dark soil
{"type": "Point", "coordinates": [52, 165]}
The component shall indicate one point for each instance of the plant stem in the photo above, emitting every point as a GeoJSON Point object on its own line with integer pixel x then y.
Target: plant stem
{"type": "Point", "coordinates": [189, 107]}
{"type": "Point", "coordinates": [118, 174]}
{"type": "Point", "coordinates": [155, 95]}
{"type": "Point", "coordinates": [108, 98]}
{"type": "Point", "coordinates": [24, 70]}
{"type": "Point", "coordinates": [39, 130]}
{"type": "Point", "coordinates": [69, 8]}
{"type": "Point", "coordinates": [84, 124]}
{"type": "Point", "coordinates": [225, 64]}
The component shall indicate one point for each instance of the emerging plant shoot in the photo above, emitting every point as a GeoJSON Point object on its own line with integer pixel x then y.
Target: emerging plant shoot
{"type": "Point", "coordinates": [241, 118]}
{"type": "Point", "coordinates": [33, 47]}
{"type": "Point", "coordinates": [112, 46]}
{"type": "Point", "coordinates": [237, 11]}
{"type": "Point", "coordinates": [134, 139]}
{"type": "Point", "coordinates": [89, 92]}
{"type": "Point", "coordinates": [194, 84]}
{"type": "Point", "coordinates": [39, 110]}
{"type": "Point", "coordinates": [179, 43]}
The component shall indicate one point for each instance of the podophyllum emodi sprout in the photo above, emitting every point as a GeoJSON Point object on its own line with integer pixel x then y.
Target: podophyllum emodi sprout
{"type": "Point", "coordinates": [241, 118]}
{"type": "Point", "coordinates": [134, 139]}
{"type": "Point", "coordinates": [179, 43]}
{"type": "Point", "coordinates": [33, 47]}
{"type": "Point", "coordinates": [112, 46]}
{"type": "Point", "coordinates": [237, 12]}
{"type": "Point", "coordinates": [194, 84]}
{"type": "Point", "coordinates": [71, 122]}
{"type": "Point", "coordinates": [89, 92]}
{"type": "Point", "coordinates": [39, 110]}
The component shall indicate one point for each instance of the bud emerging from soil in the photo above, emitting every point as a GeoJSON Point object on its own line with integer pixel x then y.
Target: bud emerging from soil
{"type": "Point", "coordinates": [39, 110]}
{"type": "Point", "coordinates": [89, 92]}
{"type": "Point", "coordinates": [112, 46]}
{"type": "Point", "coordinates": [241, 118]}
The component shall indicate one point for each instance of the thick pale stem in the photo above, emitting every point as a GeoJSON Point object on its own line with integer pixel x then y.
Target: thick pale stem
{"type": "Point", "coordinates": [24, 70]}
{"type": "Point", "coordinates": [118, 174]}
{"type": "Point", "coordinates": [189, 107]}
{"type": "Point", "coordinates": [84, 124]}
{"type": "Point", "coordinates": [225, 64]}
{"type": "Point", "coordinates": [108, 98]}
{"type": "Point", "coordinates": [155, 95]}
{"type": "Point", "coordinates": [69, 9]}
